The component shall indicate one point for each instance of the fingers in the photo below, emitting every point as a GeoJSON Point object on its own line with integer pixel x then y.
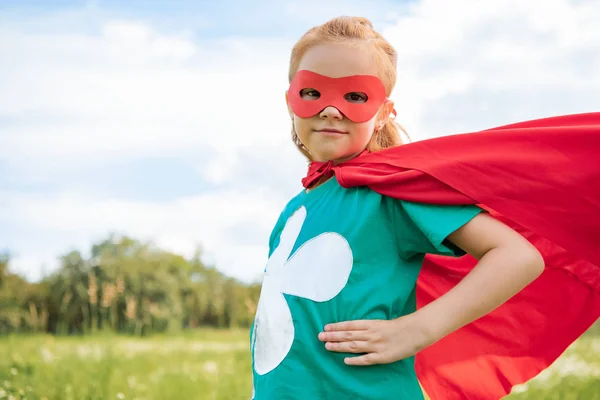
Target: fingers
{"type": "Point", "coordinates": [355, 346]}
{"type": "Point", "coordinates": [348, 326]}
{"type": "Point", "coordinates": [356, 337]}
{"type": "Point", "coordinates": [364, 360]}
{"type": "Point", "coordinates": [343, 336]}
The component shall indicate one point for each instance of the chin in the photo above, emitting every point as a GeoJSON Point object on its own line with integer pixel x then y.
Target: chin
{"type": "Point", "coordinates": [334, 152]}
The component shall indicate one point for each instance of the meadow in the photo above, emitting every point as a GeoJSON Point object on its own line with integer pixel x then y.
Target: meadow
{"type": "Point", "coordinates": [206, 364]}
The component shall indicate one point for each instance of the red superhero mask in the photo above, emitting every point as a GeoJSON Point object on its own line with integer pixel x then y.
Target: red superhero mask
{"type": "Point", "coordinates": [334, 92]}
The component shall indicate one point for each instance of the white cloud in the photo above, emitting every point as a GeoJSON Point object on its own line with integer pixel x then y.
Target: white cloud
{"type": "Point", "coordinates": [127, 91]}
{"type": "Point", "coordinates": [212, 221]}
{"type": "Point", "coordinates": [521, 59]}
{"type": "Point", "coordinates": [131, 90]}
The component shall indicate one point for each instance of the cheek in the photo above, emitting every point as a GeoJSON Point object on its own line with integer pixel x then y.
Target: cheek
{"type": "Point", "coordinates": [365, 129]}
{"type": "Point", "coordinates": [302, 126]}
{"type": "Point", "coordinates": [300, 121]}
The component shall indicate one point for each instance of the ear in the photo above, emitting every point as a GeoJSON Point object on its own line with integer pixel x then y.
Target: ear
{"type": "Point", "coordinates": [287, 101]}
{"type": "Point", "coordinates": [386, 109]}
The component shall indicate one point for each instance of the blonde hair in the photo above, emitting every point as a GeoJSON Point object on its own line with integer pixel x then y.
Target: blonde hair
{"type": "Point", "coordinates": [353, 29]}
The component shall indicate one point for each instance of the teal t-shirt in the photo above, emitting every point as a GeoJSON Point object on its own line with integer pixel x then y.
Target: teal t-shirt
{"type": "Point", "coordinates": [336, 255]}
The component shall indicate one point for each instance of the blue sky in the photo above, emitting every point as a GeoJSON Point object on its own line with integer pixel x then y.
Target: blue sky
{"type": "Point", "coordinates": [143, 118]}
{"type": "Point", "coordinates": [205, 19]}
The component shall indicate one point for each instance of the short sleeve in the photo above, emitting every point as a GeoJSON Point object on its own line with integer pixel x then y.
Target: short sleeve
{"type": "Point", "coordinates": [424, 228]}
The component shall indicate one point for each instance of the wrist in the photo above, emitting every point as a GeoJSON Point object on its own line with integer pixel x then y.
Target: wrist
{"type": "Point", "coordinates": [426, 331]}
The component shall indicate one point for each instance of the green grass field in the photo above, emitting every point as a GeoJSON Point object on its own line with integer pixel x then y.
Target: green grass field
{"type": "Point", "coordinates": [204, 365]}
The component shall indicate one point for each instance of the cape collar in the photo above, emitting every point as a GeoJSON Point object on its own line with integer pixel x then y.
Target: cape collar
{"type": "Point", "coordinates": [321, 170]}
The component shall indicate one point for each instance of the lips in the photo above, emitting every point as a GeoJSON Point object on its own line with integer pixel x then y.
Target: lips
{"type": "Point", "coordinates": [331, 131]}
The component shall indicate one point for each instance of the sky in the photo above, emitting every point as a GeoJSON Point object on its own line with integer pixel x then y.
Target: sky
{"type": "Point", "coordinates": [166, 120]}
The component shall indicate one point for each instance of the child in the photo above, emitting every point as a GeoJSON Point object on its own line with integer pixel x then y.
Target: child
{"type": "Point", "coordinates": [341, 314]}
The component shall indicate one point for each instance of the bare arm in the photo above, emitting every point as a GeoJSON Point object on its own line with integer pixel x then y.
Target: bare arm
{"type": "Point", "coordinates": [507, 263]}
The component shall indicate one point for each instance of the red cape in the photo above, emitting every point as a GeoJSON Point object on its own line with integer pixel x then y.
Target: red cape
{"type": "Point", "coordinates": [540, 177]}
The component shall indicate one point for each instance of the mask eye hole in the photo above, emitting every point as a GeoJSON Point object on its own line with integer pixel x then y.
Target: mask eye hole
{"type": "Point", "coordinates": [310, 94]}
{"type": "Point", "coordinates": [356, 97]}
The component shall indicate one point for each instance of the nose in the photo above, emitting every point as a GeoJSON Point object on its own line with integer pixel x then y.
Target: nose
{"type": "Point", "coordinates": [330, 112]}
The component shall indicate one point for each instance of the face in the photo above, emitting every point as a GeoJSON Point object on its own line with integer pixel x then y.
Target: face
{"type": "Point", "coordinates": [330, 134]}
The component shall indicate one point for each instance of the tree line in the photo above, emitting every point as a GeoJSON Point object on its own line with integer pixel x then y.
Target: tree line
{"type": "Point", "coordinates": [125, 286]}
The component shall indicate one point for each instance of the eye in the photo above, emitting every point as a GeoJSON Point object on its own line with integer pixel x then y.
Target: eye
{"type": "Point", "coordinates": [310, 94]}
{"type": "Point", "coordinates": [356, 97]}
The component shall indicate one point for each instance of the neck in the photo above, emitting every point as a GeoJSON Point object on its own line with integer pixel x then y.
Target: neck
{"type": "Point", "coordinates": [342, 159]}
